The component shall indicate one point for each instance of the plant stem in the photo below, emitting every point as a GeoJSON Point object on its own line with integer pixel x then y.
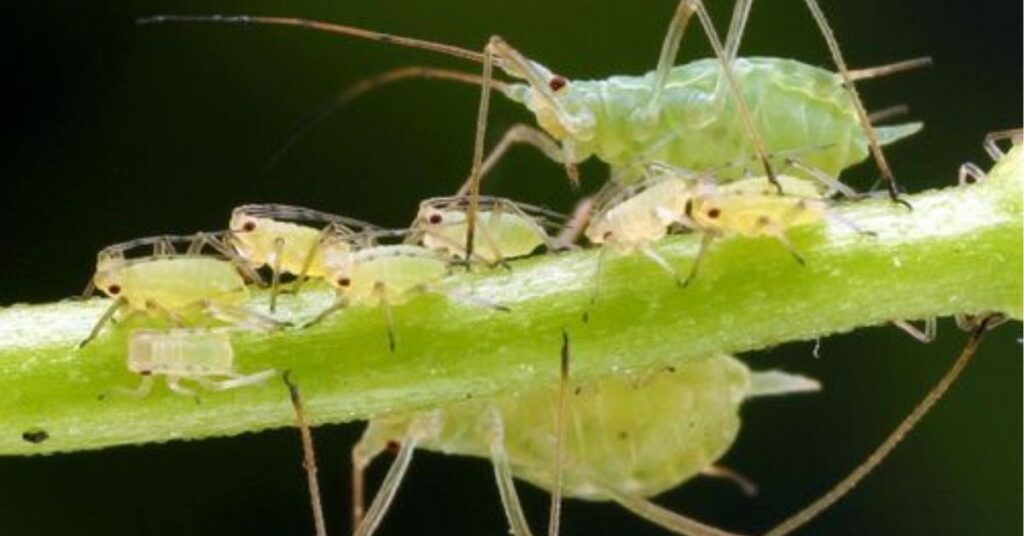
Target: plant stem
{"type": "Point", "coordinates": [958, 251]}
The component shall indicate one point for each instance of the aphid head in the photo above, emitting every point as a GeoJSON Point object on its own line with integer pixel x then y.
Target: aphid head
{"type": "Point", "coordinates": [559, 105]}
{"type": "Point", "coordinates": [430, 216]}
{"type": "Point", "coordinates": [109, 282]}
{"type": "Point", "coordinates": [338, 263]}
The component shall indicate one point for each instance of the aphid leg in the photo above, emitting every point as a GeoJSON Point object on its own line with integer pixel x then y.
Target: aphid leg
{"type": "Point", "coordinates": [823, 178]}
{"type": "Point", "coordinates": [925, 335]}
{"type": "Point", "coordinates": [705, 242]}
{"type": "Point", "coordinates": [525, 134]}
{"type": "Point", "coordinates": [596, 289]}
{"type": "Point", "coordinates": [858, 104]}
{"type": "Point", "coordinates": [174, 384]}
{"type": "Point", "coordinates": [476, 171]}
{"type": "Point", "coordinates": [90, 289]}
{"type": "Point", "coordinates": [275, 276]}
{"type": "Point", "coordinates": [143, 389]}
{"type": "Point", "coordinates": [778, 232]}
{"type": "Point", "coordinates": [234, 314]}
{"type": "Point", "coordinates": [163, 247]}
{"type": "Point", "coordinates": [747, 486]}
{"type": "Point", "coordinates": [385, 306]}
{"type": "Point", "coordinates": [561, 415]}
{"type": "Point", "coordinates": [844, 486]}
{"type": "Point", "coordinates": [573, 229]}
{"type": "Point", "coordinates": [669, 50]}
{"type": "Point", "coordinates": [1016, 136]}
{"type": "Point", "coordinates": [235, 381]}
{"type": "Point", "coordinates": [888, 113]}
{"type": "Point", "coordinates": [889, 68]}
{"type": "Point", "coordinates": [833, 216]}
{"type": "Point", "coordinates": [339, 304]}
{"type": "Point", "coordinates": [970, 173]}
{"type": "Point", "coordinates": [107, 316]}
{"type": "Point", "coordinates": [422, 427]}
{"type": "Point", "coordinates": [503, 474]}
{"type": "Point", "coordinates": [663, 517]}
{"type": "Point", "coordinates": [663, 263]}
{"type": "Point", "coordinates": [308, 454]}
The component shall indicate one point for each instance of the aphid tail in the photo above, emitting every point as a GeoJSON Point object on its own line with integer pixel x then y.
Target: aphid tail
{"type": "Point", "coordinates": [776, 382]}
{"type": "Point", "coordinates": [893, 134]}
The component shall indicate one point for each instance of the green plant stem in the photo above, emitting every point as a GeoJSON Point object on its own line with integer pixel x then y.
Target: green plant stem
{"type": "Point", "coordinates": [958, 251]}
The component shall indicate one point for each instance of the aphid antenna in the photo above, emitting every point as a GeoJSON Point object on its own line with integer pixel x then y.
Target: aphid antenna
{"type": "Point", "coordinates": [979, 327]}
{"type": "Point", "coordinates": [888, 113]}
{"type": "Point", "coordinates": [331, 104]}
{"type": "Point", "coordinates": [308, 453]}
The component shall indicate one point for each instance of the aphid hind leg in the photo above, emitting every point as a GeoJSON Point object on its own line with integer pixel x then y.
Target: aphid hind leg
{"type": "Point", "coordinates": [308, 454]}
{"type": "Point", "coordinates": [141, 391]}
{"type": "Point", "coordinates": [174, 384]}
{"type": "Point", "coordinates": [661, 516]}
{"type": "Point", "coordinates": [663, 263]}
{"type": "Point", "coordinates": [705, 243]}
{"type": "Point", "coordinates": [236, 381]}
{"type": "Point", "coordinates": [339, 304]}
{"type": "Point", "coordinates": [241, 316]}
{"type": "Point", "coordinates": [925, 335]}
{"type": "Point", "coordinates": [424, 426]}
{"type": "Point", "coordinates": [503, 474]}
{"type": "Point", "coordinates": [670, 47]}
{"type": "Point", "coordinates": [275, 276]}
{"type": "Point", "coordinates": [476, 171]}
{"type": "Point", "coordinates": [970, 173]}
{"type": "Point", "coordinates": [837, 492]}
{"type": "Point", "coordinates": [1016, 136]}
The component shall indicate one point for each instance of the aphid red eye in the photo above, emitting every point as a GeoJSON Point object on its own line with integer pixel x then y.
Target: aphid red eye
{"type": "Point", "coordinates": [714, 213]}
{"type": "Point", "coordinates": [557, 83]}
{"type": "Point", "coordinates": [393, 447]}
{"type": "Point", "coordinates": [344, 281]}
{"type": "Point", "coordinates": [249, 226]}
{"type": "Point", "coordinates": [435, 219]}
{"type": "Point", "coordinates": [114, 289]}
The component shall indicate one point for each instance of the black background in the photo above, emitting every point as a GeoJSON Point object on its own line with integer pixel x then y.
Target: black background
{"type": "Point", "coordinates": [113, 131]}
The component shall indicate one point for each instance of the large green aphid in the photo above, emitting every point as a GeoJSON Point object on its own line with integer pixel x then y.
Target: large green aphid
{"type": "Point", "coordinates": [628, 437]}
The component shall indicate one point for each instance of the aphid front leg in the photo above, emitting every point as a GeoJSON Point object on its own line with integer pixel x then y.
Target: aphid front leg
{"type": "Point", "coordinates": [925, 335]}
{"type": "Point", "coordinates": [970, 173]}
{"type": "Point", "coordinates": [706, 239]}
{"type": "Point", "coordinates": [143, 389]}
{"type": "Point", "coordinates": [237, 315]}
{"type": "Point", "coordinates": [503, 474]}
{"type": "Point", "coordinates": [528, 135]}
{"type": "Point", "coordinates": [1016, 136]}
{"type": "Point", "coordinates": [339, 304]}
{"type": "Point", "coordinates": [108, 316]}
{"type": "Point", "coordinates": [174, 384]}
{"type": "Point", "coordinates": [663, 263]}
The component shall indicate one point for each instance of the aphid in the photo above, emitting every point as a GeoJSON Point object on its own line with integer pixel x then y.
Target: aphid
{"type": "Point", "coordinates": [385, 275]}
{"type": "Point", "coordinates": [506, 229]}
{"type": "Point", "coordinates": [207, 278]}
{"type": "Point", "coordinates": [203, 356]}
{"type": "Point", "coordinates": [288, 239]}
{"type": "Point", "coordinates": [628, 437]}
{"type": "Point", "coordinates": [666, 115]}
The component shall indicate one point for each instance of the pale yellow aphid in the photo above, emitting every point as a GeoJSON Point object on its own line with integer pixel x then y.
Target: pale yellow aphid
{"type": "Point", "coordinates": [287, 239]}
{"type": "Point", "coordinates": [505, 229]}
{"type": "Point", "coordinates": [384, 275]}
{"type": "Point", "coordinates": [202, 356]}
{"type": "Point", "coordinates": [627, 437]}
{"type": "Point", "coordinates": [150, 275]}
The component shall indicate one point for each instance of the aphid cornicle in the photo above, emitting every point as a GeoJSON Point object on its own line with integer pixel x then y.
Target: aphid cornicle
{"type": "Point", "coordinates": [384, 275]}
{"type": "Point", "coordinates": [506, 229]}
{"type": "Point", "coordinates": [630, 437]}
{"type": "Point", "coordinates": [288, 239]}
{"type": "Point", "coordinates": [203, 356]}
{"type": "Point", "coordinates": [150, 275]}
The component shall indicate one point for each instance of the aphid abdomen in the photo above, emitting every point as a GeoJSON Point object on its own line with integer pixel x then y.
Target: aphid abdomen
{"type": "Point", "coordinates": [176, 282]}
{"type": "Point", "coordinates": [295, 242]}
{"type": "Point", "coordinates": [180, 352]}
{"type": "Point", "coordinates": [512, 235]}
{"type": "Point", "coordinates": [398, 269]}
{"type": "Point", "coordinates": [795, 106]}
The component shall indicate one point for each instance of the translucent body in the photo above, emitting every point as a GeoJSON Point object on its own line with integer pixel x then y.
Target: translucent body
{"type": "Point", "coordinates": [794, 105]}
{"type": "Point", "coordinates": [203, 356]}
{"type": "Point", "coordinates": [750, 208]}
{"type": "Point", "coordinates": [636, 434]}
{"type": "Point", "coordinates": [642, 217]}
{"type": "Point", "coordinates": [182, 352]}
{"type": "Point", "coordinates": [391, 273]}
{"type": "Point", "coordinates": [287, 238]}
{"type": "Point", "coordinates": [505, 229]}
{"type": "Point", "coordinates": [171, 283]}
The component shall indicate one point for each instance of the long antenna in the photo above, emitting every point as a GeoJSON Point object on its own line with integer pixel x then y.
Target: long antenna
{"type": "Point", "coordinates": [319, 26]}
{"type": "Point", "coordinates": [847, 484]}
